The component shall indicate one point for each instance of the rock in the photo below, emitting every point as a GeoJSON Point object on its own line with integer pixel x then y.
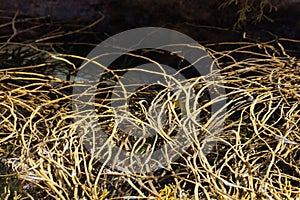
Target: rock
{"type": "Point", "coordinates": [64, 10]}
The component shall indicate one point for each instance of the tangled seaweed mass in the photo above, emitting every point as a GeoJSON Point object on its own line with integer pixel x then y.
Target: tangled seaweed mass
{"type": "Point", "coordinates": [257, 156]}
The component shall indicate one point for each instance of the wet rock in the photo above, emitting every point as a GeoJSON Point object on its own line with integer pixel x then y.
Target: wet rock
{"type": "Point", "coordinates": [56, 9]}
